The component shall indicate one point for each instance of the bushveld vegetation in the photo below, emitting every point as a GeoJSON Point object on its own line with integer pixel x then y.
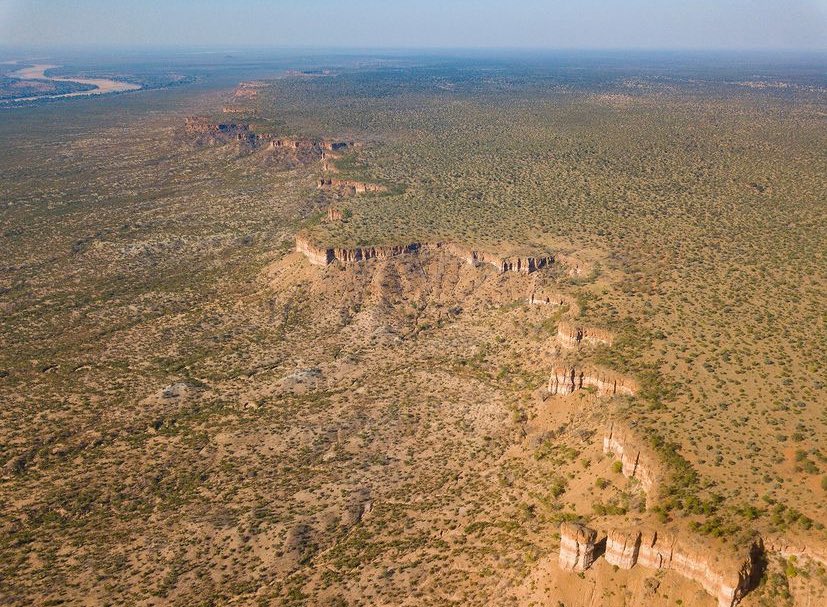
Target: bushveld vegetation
{"type": "Point", "coordinates": [194, 415]}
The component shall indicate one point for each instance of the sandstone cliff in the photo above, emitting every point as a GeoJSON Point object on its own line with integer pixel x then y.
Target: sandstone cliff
{"type": "Point", "coordinates": [316, 254]}
{"type": "Point", "coordinates": [568, 379]}
{"type": "Point", "coordinates": [542, 298]}
{"type": "Point", "coordinates": [287, 150]}
{"type": "Point", "coordinates": [725, 573]}
{"type": "Point", "coordinates": [638, 461]}
{"type": "Point", "coordinates": [323, 256]}
{"type": "Point", "coordinates": [577, 546]}
{"type": "Point", "coordinates": [724, 576]}
{"type": "Point", "coordinates": [524, 264]}
{"type": "Point", "coordinates": [349, 186]}
{"type": "Point", "coordinates": [248, 90]}
{"type": "Point", "coordinates": [205, 132]}
{"type": "Point", "coordinates": [576, 335]}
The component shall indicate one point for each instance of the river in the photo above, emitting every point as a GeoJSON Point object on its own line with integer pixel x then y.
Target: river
{"type": "Point", "coordinates": [102, 85]}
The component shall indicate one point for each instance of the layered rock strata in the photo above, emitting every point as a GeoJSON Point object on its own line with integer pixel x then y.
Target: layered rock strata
{"type": "Point", "coordinates": [567, 380]}
{"type": "Point", "coordinates": [315, 255]}
{"type": "Point", "coordinates": [324, 256]}
{"type": "Point", "coordinates": [577, 546]}
{"type": "Point", "coordinates": [537, 298]}
{"type": "Point", "coordinates": [324, 145]}
{"type": "Point", "coordinates": [576, 335]}
{"type": "Point", "coordinates": [637, 461]}
{"type": "Point", "coordinates": [523, 264]}
{"type": "Point", "coordinates": [727, 579]}
{"type": "Point", "coordinates": [622, 548]}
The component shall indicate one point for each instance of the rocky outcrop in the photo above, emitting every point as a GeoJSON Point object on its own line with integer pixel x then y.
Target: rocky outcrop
{"type": "Point", "coordinates": [346, 255]}
{"type": "Point", "coordinates": [334, 214]}
{"type": "Point", "coordinates": [567, 380]}
{"type": "Point", "coordinates": [210, 133]}
{"type": "Point", "coordinates": [294, 151]}
{"type": "Point", "coordinates": [725, 574]}
{"type": "Point", "coordinates": [578, 546]}
{"type": "Point", "coordinates": [622, 548]}
{"type": "Point", "coordinates": [576, 335]}
{"type": "Point", "coordinates": [523, 264]}
{"type": "Point", "coordinates": [324, 145]}
{"type": "Point", "coordinates": [540, 298]}
{"type": "Point", "coordinates": [349, 255]}
{"type": "Point", "coordinates": [336, 146]}
{"type": "Point", "coordinates": [316, 255]}
{"type": "Point", "coordinates": [323, 256]}
{"type": "Point", "coordinates": [637, 461]}
{"type": "Point", "coordinates": [349, 186]}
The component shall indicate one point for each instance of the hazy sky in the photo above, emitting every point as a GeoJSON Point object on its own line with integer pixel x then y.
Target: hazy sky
{"type": "Point", "coordinates": [739, 24]}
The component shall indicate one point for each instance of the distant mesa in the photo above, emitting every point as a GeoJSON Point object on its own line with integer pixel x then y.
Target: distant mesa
{"type": "Point", "coordinates": [248, 90]}
{"type": "Point", "coordinates": [349, 186]}
{"type": "Point", "coordinates": [309, 73]}
{"type": "Point", "coordinates": [290, 151]}
{"type": "Point", "coordinates": [220, 133]}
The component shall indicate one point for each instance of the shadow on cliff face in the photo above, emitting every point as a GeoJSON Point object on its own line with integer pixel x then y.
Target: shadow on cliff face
{"type": "Point", "coordinates": [758, 555]}
{"type": "Point", "coordinates": [600, 548]}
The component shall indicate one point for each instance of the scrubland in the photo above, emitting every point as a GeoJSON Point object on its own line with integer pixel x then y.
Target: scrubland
{"type": "Point", "coordinates": [195, 415]}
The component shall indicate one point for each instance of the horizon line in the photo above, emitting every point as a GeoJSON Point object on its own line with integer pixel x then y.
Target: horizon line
{"type": "Point", "coordinates": [432, 48]}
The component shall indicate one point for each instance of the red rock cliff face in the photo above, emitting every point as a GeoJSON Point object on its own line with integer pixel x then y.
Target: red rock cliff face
{"type": "Point", "coordinates": [365, 253]}
{"type": "Point", "coordinates": [567, 380]}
